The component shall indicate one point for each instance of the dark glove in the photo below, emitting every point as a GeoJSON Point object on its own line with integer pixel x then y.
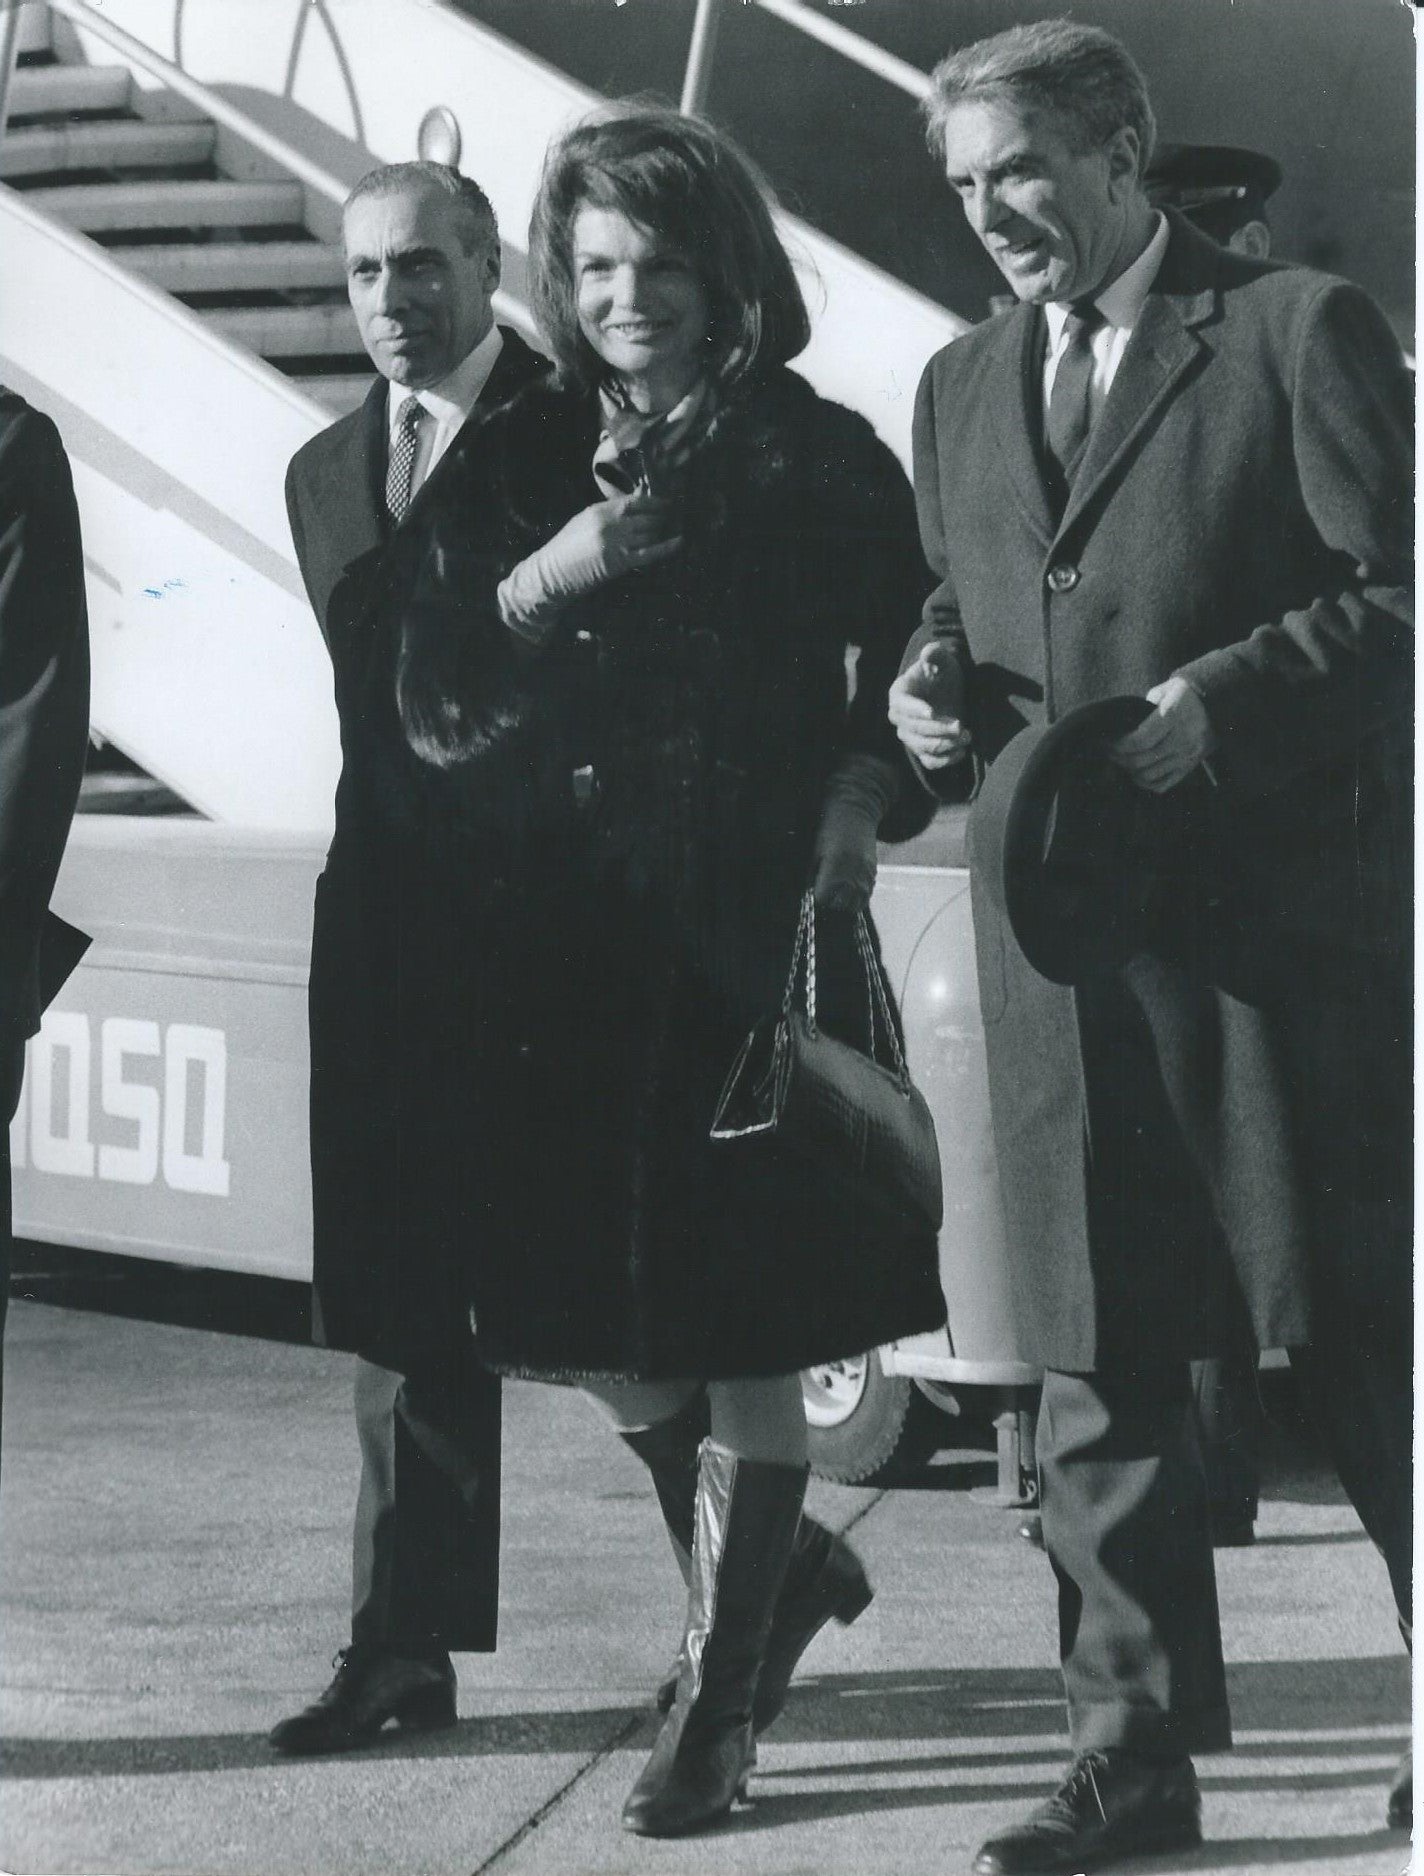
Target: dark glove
{"type": "Point", "coordinates": [858, 796]}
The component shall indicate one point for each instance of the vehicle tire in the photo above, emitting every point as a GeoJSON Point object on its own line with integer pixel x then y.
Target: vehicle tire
{"type": "Point", "coordinates": [866, 1427]}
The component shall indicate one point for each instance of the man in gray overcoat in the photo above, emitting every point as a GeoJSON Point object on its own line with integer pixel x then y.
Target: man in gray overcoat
{"type": "Point", "coordinates": [1184, 475]}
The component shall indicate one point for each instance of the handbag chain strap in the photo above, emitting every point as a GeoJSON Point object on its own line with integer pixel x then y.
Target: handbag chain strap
{"type": "Point", "coordinates": [879, 994]}
{"type": "Point", "coordinates": [805, 946]}
{"type": "Point", "coordinates": [877, 991]}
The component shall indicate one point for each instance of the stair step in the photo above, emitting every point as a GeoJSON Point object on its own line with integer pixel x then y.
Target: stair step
{"type": "Point", "coordinates": [34, 41]}
{"type": "Point", "coordinates": [46, 148]}
{"type": "Point", "coordinates": [56, 90]}
{"type": "Point", "coordinates": [237, 266]}
{"type": "Point", "coordinates": [288, 331]}
{"type": "Point", "coordinates": [98, 207]}
{"type": "Point", "coordinates": [339, 392]}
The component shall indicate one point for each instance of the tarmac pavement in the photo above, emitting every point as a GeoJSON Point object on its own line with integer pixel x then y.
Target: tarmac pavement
{"type": "Point", "coordinates": [174, 1576]}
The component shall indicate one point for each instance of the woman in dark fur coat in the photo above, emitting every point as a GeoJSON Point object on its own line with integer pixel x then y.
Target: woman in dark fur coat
{"type": "Point", "coordinates": [647, 726]}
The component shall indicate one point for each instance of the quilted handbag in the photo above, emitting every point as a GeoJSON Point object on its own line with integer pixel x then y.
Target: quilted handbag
{"type": "Point", "coordinates": [843, 1115]}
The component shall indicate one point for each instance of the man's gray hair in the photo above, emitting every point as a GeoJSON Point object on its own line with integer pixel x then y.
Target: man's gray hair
{"type": "Point", "coordinates": [479, 221]}
{"type": "Point", "coordinates": [1085, 77]}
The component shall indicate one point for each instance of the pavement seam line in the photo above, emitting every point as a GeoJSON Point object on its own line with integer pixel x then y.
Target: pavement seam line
{"type": "Point", "coordinates": [860, 1516]}
{"type": "Point", "coordinates": [611, 1745]}
{"type": "Point", "coordinates": [632, 1725]}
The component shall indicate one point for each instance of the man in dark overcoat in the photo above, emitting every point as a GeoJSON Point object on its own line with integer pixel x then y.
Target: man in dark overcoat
{"type": "Point", "coordinates": [423, 259]}
{"type": "Point", "coordinates": [1184, 475]}
{"type": "Point", "coordinates": [44, 722]}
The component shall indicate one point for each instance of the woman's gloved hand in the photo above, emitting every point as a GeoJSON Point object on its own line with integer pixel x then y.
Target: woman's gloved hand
{"type": "Point", "coordinates": [858, 796]}
{"type": "Point", "coordinates": [625, 534]}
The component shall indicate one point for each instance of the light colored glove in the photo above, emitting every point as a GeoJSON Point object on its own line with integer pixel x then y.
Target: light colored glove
{"type": "Point", "coordinates": [858, 797]}
{"type": "Point", "coordinates": [625, 534]}
{"type": "Point", "coordinates": [927, 705]}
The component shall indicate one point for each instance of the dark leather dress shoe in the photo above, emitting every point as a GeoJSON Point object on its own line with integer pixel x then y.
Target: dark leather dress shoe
{"type": "Point", "coordinates": [1399, 1812]}
{"type": "Point", "coordinates": [370, 1689]}
{"type": "Point", "coordinates": [1112, 1804]}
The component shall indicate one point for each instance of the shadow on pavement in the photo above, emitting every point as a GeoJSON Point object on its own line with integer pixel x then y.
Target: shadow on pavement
{"type": "Point", "coordinates": [952, 1704]}
{"type": "Point", "coordinates": [594, 1731]}
{"type": "Point", "coordinates": [221, 1301]}
{"type": "Point", "coordinates": [1249, 1852]}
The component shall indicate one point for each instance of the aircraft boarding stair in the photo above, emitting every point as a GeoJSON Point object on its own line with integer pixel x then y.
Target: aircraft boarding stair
{"type": "Point", "coordinates": [169, 214]}
{"type": "Point", "coordinates": [84, 146]}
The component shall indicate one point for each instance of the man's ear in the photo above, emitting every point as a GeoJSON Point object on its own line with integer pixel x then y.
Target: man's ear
{"type": "Point", "coordinates": [1252, 238]}
{"type": "Point", "coordinates": [1124, 153]}
{"type": "Point", "coordinates": [494, 266]}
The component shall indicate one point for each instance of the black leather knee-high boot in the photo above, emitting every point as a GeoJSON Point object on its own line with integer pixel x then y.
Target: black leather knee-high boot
{"type": "Point", "coordinates": [747, 1512]}
{"type": "Point", "coordinates": [824, 1580]}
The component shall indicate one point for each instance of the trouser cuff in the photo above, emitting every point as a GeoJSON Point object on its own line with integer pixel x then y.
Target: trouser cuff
{"type": "Point", "coordinates": [1148, 1731]}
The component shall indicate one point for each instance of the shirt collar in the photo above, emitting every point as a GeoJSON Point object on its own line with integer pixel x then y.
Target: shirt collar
{"type": "Point", "coordinates": [451, 400]}
{"type": "Point", "coordinates": [1121, 303]}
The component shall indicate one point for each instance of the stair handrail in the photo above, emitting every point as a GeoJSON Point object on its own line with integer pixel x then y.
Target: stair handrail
{"type": "Point", "coordinates": [840, 39]}
{"type": "Point", "coordinates": [301, 168]}
{"type": "Point", "coordinates": [211, 103]}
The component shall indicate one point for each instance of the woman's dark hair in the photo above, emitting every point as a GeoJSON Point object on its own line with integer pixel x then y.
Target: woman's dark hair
{"type": "Point", "coordinates": [687, 183]}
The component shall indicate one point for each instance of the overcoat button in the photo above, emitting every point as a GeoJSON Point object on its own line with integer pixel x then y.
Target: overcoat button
{"type": "Point", "coordinates": [1063, 577]}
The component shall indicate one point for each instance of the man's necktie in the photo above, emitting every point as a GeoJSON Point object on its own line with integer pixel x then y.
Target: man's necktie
{"type": "Point", "coordinates": [402, 463]}
{"type": "Point", "coordinates": [1070, 400]}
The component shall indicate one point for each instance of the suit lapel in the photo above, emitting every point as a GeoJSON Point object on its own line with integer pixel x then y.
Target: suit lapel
{"type": "Point", "coordinates": [1163, 349]}
{"type": "Point", "coordinates": [348, 479]}
{"type": "Point", "coordinates": [1017, 400]}
{"type": "Point", "coordinates": [511, 371]}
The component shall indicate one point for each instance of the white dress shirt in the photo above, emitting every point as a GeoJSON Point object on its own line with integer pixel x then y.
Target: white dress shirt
{"type": "Point", "coordinates": [445, 407]}
{"type": "Point", "coordinates": [1121, 307]}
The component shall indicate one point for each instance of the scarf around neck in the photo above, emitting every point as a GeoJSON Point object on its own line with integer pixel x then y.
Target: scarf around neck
{"type": "Point", "coordinates": [644, 454]}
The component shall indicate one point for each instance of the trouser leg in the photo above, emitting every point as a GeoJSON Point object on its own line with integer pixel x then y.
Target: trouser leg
{"type": "Point", "coordinates": [1227, 1401]}
{"type": "Point", "coordinates": [1126, 1529]}
{"type": "Point", "coordinates": [12, 1068]}
{"type": "Point", "coordinates": [1352, 1054]}
{"type": "Point", "coordinates": [425, 1553]}
{"type": "Point", "coordinates": [5, 1244]}
{"type": "Point", "coordinates": [445, 1575]}
{"type": "Point", "coordinates": [1357, 1384]}
{"type": "Point", "coordinates": [374, 1531]}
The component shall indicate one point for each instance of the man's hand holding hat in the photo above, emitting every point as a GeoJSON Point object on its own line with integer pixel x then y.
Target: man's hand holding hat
{"type": "Point", "coordinates": [1166, 746]}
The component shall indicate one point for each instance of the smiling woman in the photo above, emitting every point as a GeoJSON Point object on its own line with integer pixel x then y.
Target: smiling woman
{"type": "Point", "coordinates": [641, 307]}
{"type": "Point", "coordinates": [643, 693]}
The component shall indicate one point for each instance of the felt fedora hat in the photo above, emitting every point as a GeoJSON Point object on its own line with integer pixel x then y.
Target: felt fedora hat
{"type": "Point", "coordinates": [1086, 867]}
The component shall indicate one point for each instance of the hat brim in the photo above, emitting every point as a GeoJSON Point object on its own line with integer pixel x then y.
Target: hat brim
{"type": "Point", "coordinates": [1068, 924]}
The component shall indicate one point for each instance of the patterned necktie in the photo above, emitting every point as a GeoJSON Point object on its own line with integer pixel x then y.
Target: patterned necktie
{"type": "Point", "coordinates": [402, 463]}
{"type": "Point", "coordinates": [1070, 408]}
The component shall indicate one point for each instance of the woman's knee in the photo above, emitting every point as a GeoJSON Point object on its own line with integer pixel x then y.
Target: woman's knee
{"type": "Point", "coordinates": [632, 1405]}
{"type": "Point", "coordinates": [760, 1418]}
